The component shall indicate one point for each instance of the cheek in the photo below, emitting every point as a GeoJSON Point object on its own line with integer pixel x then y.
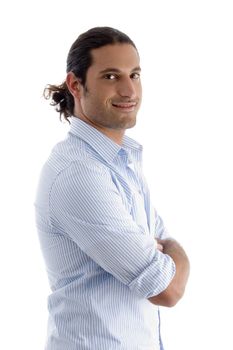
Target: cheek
{"type": "Point", "coordinates": [95, 103]}
{"type": "Point", "coordinates": [98, 98]}
{"type": "Point", "coordinates": [139, 89]}
{"type": "Point", "coordinates": [102, 100]}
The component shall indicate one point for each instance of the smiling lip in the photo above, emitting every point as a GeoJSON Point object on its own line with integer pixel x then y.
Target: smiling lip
{"type": "Point", "coordinates": [125, 106]}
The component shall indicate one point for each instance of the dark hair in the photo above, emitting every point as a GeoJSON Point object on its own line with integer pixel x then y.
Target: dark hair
{"type": "Point", "coordinates": [78, 61]}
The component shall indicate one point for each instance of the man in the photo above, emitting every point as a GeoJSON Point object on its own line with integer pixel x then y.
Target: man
{"type": "Point", "coordinates": [109, 260]}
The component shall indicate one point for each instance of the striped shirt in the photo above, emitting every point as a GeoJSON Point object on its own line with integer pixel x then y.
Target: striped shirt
{"type": "Point", "coordinates": [97, 232]}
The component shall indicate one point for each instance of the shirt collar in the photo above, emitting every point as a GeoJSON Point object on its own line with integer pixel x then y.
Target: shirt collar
{"type": "Point", "coordinates": [102, 144]}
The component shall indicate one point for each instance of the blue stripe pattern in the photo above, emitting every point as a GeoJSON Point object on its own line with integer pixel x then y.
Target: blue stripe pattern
{"type": "Point", "coordinates": [97, 230]}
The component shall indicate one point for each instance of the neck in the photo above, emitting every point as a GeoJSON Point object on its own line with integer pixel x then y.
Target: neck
{"type": "Point", "coordinates": [115, 135]}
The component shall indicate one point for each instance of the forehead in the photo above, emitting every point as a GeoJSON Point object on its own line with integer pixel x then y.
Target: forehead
{"type": "Point", "coordinates": [120, 56]}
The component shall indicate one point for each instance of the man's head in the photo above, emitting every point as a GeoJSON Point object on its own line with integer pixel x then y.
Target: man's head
{"type": "Point", "coordinates": [103, 79]}
{"type": "Point", "coordinates": [80, 54]}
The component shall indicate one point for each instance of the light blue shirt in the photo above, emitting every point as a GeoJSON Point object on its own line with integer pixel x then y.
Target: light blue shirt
{"type": "Point", "coordinates": [97, 232]}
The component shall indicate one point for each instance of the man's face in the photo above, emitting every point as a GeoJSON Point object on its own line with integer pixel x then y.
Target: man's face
{"type": "Point", "coordinates": [112, 93]}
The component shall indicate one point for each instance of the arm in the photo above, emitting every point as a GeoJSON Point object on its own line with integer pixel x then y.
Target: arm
{"type": "Point", "coordinates": [86, 206]}
{"type": "Point", "coordinates": [175, 290]}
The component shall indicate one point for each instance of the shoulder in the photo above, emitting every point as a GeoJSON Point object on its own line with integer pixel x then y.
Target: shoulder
{"type": "Point", "coordinates": [82, 175]}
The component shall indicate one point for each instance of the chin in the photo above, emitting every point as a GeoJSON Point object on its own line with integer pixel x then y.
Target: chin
{"type": "Point", "coordinates": [131, 125]}
{"type": "Point", "coordinates": [132, 122]}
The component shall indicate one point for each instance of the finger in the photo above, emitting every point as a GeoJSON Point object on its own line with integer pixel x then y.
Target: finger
{"type": "Point", "coordinates": [159, 247]}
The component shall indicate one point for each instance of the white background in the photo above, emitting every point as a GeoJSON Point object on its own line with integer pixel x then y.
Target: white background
{"type": "Point", "coordinates": [185, 127]}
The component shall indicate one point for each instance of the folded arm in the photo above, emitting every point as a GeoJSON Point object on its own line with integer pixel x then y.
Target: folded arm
{"type": "Point", "coordinates": [175, 290]}
{"type": "Point", "coordinates": [86, 206]}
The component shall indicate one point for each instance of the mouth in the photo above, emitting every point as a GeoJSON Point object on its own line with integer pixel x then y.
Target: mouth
{"type": "Point", "coordinates": [125, 106]}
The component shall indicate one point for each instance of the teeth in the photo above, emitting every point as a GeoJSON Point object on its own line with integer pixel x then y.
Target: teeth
{"type": "Point", "coordinates": [124, 105]}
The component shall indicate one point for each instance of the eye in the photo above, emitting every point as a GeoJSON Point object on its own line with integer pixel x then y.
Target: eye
{"type": "Point", "coordinates": [110, 76]}
{"type": "Point", "coordinates": [135, 76]}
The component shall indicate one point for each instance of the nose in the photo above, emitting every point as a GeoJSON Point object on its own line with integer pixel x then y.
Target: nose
{"type": "Point", "coordinates": [127, 88]}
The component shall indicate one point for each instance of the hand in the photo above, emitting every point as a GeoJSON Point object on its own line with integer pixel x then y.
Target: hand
{"type": "Point", "coordinates": [159, 246]}
{"type": "Point", "coordinates": [170, 247]}
{"type": "Point", "coordinates": [175, 290]}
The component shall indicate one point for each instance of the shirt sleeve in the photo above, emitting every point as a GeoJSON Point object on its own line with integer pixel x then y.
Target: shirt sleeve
{"type": "Point", "coordinates": [86, 205]}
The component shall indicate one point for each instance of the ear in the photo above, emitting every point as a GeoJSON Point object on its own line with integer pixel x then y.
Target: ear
{"type": "Point", "coordinates": [74, 85]}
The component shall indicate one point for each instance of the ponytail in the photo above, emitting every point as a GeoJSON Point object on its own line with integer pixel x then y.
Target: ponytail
{"type": "Point", "coordinates": [61, 98]}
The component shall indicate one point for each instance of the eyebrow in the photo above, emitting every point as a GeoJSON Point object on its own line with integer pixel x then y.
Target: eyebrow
{"type": "Point", "coordinates": [116, 70]}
